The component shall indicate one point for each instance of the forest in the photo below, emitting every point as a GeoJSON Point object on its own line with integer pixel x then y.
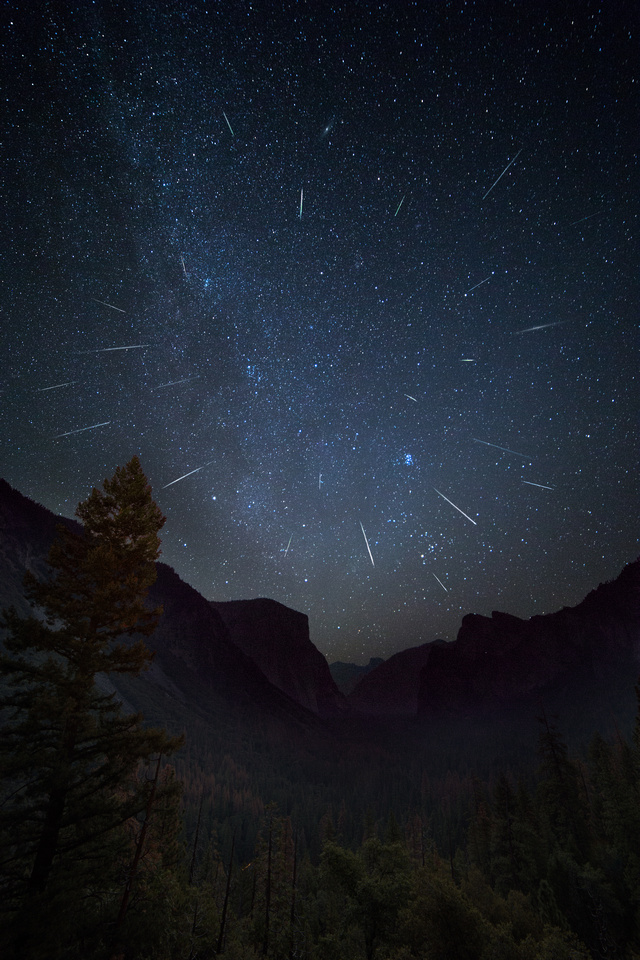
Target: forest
{"type": "Point", "coordinates": [120, 840]}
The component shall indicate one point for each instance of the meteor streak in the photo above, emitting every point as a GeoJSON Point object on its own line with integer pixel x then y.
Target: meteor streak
{"type": "Point", "coordinates": [502, 174]}
{"type": "Point", "coordinates": [82, 429]}
{"type": "Point", "coordinates": [184, 475]}
{"type": "Point", "coordinates": [56, 386]}
{"type": "Point", "coordinates": [439, 580]}
{"type": "Point", "coordinates": [455, 508]}
{"type": "Point", "coordinates": [540, 326]}
{"type": "Point", "coordinates": [105, 304]}
{"type": "Point", "coordinates": [398, 207]}
{"type": "Point", "coordinates": [137, 346]}
{"type": "Point", "coordinates": [410, 398]}
{"type": "Point", "coordinates": [367, 543]}
{"type": "Point", "coordinates": [506, 449]}
{"type": "Point", "coordinates": [301, 200]}
{"type": "Point", "coordinates": [172, 383]}
{"type": "Point", "coordinates": [481, 282]}
{"type": "Point", "coordinates": [184, 268]}
{"type": "Point", "coordinates": [582, 219]}
{"type": "Point", "coordinates": [228, 124]}
{"type": "Point", "coordinates": [288, 545]}
{"type": "Point", "coordinates": [532, 484]}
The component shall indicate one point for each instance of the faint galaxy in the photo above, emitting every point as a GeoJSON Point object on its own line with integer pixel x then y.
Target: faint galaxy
{"type": "Point", "coordinates": [345, 277]}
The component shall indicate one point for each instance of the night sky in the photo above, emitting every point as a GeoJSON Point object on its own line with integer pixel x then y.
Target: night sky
{"type": "Point", "coordinates": [375, 268]}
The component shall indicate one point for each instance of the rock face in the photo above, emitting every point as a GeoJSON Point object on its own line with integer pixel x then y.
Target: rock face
{"type": "Point", "coordinates": [256, 655]}
{"type": "Point", "coordinates": [196, 658]}
{"type": "Point", "coordinates": [346, 675]}
{"type": "Point", "coordinates": [26, 532]}
{"type": "Point", "coordinates": [392, 688]}
{"type": "Point", "coordinates": [276, 639]}
{"type": "Point", "coordinates": [196, 664]}
{"type": "Point", "coordinates": [580, 655]}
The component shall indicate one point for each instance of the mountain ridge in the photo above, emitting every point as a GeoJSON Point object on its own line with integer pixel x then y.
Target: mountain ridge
{"type": "Point", "coordinates": [258, 652]}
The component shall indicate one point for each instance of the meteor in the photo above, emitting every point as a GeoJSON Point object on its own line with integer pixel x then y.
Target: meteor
{"type": "Point", "coordinates": [228, 124]}
{"type": "Point", "coordinates": [137, 346]}
{"type": "Point", "coordinates": [288, 545]}
{"type": "Point", "coordinates": [93, 426]}
{"type": "Point", "coordinates": [502, 174]}
{"type": "Point", "coordinates": [506, 449]}
{"type": "Point", "coordinates": [367, 543]}
{"type": "Point", "coordinates": [582, 219]}
{"type": "Point", "coordinates": [455, 508]}
{"type": "Point", "coordinates": [105, 304]}
{"type": "Point", "coordinates": [398, 207]}
{"type": "Point", "coordinates": [301, 200]}
{"type": "Point", "coordinates": [185, 475]}
{"type": "Point", "coordinates": [56, 386]}
{"type": "Point", "coordinates": [481, 282]}
{"type": "Point", "coordinates": [540, 326]}
{"type": "Point", "coordinates": [410, 398]}
{"type": "Point", "coordinates": [172, 383]}
{"type": "Point", "coordinates": [532, 484]}
{"type": "Point", "coordinates": [439, 580]}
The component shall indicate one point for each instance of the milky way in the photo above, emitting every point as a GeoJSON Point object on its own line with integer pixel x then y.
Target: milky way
{"type": "Point", "coordinates": [327, 268]}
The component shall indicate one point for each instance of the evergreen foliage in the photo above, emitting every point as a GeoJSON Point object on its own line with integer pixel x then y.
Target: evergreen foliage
{"type": "Point", "coordinates": [68, 756]}
{"type": "Point", "coordinates": [98, 859]}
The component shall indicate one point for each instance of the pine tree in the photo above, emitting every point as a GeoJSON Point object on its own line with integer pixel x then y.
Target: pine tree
{"type": "Point", "coordinates": [67, 754]}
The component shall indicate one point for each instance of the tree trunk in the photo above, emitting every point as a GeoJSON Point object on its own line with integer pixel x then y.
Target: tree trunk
{"type": "Point", "coordinates": [124, 903]}
{"type": "Point", "coordinates": [265, 945]}
{"type": "Point", "coordinates": [223, 918]}
{"type": "Point", "coordinates": [48, 843]}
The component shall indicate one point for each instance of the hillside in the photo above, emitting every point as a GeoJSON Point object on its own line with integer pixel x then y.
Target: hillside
{"type": "Point", "coordinates": [265, 721]}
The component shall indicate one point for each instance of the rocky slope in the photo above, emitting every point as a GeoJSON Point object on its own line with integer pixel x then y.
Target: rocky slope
{"type": "Point", "coordinates": [581, 656]}
{"type": "Point", "coordinates": [276, 639]}
{"type": "Point", "coordinates": [392, 688]}
{"type": "Point", "coordinates": [346, 675]}
{"type": "Point", "coordinates": [196, 662]}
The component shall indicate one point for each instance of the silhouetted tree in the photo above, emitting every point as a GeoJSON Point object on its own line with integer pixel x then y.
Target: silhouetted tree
{"type": "Point", "coordinates": [67, 753]}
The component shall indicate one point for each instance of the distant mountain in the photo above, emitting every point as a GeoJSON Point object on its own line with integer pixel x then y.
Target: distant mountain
{"type": "Point", "coordinates": [197, 669]}
{"type": "Point", "coordinates": [26, 532]}
{"type": "Point", "coordinates": [255, 696]}
{"type": "Point", "coordinates": [582, 660]}
{"type": "Point", "coordinates": [346, 675]}
{"type": "Point", "coordinates": [276, 639]}
{"type": "Point", "coordinates": [392, 688]}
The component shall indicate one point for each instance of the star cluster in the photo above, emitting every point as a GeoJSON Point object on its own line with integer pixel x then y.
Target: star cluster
{"type": "Point", "coordinates": [356, 281]}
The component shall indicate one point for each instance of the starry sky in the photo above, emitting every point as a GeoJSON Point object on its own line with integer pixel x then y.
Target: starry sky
{"type": "Point", "coordinates": [357, 281]}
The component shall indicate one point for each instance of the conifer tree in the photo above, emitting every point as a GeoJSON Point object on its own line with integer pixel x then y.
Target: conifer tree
{"type": "Point", "coordinates": [67, 754]}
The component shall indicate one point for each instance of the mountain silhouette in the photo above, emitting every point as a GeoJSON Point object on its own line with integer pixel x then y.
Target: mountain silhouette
{"type": "Point", "coordinates": [346, 675]}
{"type": "Point", "coordinates": [253, 659]}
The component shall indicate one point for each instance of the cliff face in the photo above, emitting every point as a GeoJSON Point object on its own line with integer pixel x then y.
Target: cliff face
{"type": "Point", "coordinates": [578, 655]}
{"type": "Point", "coordinates": [276, 639]}
{"type": "Point", "coordinates": [257, 654]}
{"type": "Point", "coordinates": [26, 532]}
{"type": "Point", "coordinates": [196, 665]}
{"type": "Point", "coordinates": [392, 688]}
{"type": "Point", "coordinates": [347, 675]}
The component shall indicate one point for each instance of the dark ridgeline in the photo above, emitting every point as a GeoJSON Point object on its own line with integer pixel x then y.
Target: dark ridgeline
{"type": "Point", "coordinates": [265, 720]}
{"type": "Point", "coordinates": [579, 663]}
{"type": "Point", "coordinates": [346, 675]}
{"type": "Point", "coordinates": [392, 688]}
{"type": "Point", "coordinates": [276, 638]}
{"type": "Point", "coordinates": [413, 813]}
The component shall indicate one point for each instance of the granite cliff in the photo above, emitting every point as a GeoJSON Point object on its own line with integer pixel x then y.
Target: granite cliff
{"type": "Point", "coordinates": [276, 639]}
{"type": "Point", "coordinates": [581, 657]}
